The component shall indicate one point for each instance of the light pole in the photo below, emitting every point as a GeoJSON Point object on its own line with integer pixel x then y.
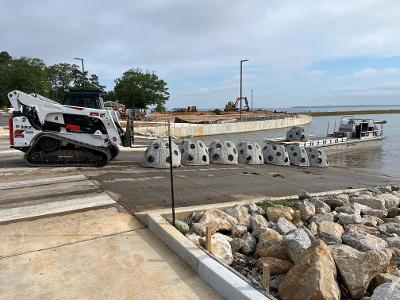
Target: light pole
{"type": "Point", "coordinates": [252, 91]}
{"type": "Point", "coordinates": [241, 71]}
{"type": "Point", "coordinates": [83, 70]}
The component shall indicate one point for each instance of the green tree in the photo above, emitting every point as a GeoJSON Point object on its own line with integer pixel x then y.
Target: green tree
{"type": "Point", "coordinates": [26, 74]}
{"type": "Point", "coordinates": [140, 89]}
{"type": "Point", "coordinates": [61, 77]}
{"type": "Point", "coordinates": [4, 57]}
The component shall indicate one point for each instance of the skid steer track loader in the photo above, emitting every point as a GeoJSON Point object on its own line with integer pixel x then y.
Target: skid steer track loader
{"type": "Point", "coordinates": [52, 134]}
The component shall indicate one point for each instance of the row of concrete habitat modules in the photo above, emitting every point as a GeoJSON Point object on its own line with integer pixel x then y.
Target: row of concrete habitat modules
{"type": "Point", "coordinates": [196, 153]}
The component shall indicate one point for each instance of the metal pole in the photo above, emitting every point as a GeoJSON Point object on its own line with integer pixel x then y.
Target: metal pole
{"type": "Point", "coordinates": [171, 173]}
{"type": "Point", "coordinates": [240, 109]}
{"type": "Point", "coordinates": [83, 73]}
{"type": "Point", "coordinates": [252, 91]}
{"type": "Point", "coordinates": [241, 96]}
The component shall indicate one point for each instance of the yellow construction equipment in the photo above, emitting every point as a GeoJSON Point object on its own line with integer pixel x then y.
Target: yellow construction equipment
{"type": "Point", "coordinates": [233, 106]}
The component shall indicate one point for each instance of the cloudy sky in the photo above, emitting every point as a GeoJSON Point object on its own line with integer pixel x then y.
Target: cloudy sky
{"type": "Point", "coordinates": [301, 52]}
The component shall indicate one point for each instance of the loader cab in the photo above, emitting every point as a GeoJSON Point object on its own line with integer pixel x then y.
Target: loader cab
{"type": "Point", "coordinates": [82, 98]}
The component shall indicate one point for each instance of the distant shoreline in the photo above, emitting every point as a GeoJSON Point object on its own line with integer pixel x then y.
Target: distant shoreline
{"type": "Point", "coordinates": [354, 112]}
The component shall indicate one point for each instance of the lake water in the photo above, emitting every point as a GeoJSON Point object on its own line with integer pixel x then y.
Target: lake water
{"type": "Point", "coordinates": [385, 159]}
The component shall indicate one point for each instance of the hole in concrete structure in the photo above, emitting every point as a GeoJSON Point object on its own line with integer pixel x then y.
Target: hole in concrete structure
{"type": "Point", "coordinates": [297, 133]}
{"type": "Point", "coordinates": [204, 158]}
{"type": "Point", "coordinates": [319, 152]}
{"type": "Point", "coordinates": [201, 145]}
{"type": "Point", "coordinates": [310, 150]}
{"type": "Point", "coordinates": [278, 153]}
{"type": "Point", "coordinates": [192, 146]}
{"type": "Point", "coordinates": [286, 159]}
{"type": "Point", "coordinates": [218, 145]}
{"type": "Point", "coordinates": [168, 159]}
{"type": "Point", "coordinates": [150, 159]}
{"type": "Point", "coordinates": [156, 146]}
{"type": "Point", "coordinates": [313, 156]}
{"type": "Point", "coordinates": [259, 157]}
{"type": "Point", "coordinates": [234, 151]}
{"type": "Point", "coordinates": [230, 157]}
{"type": "Point", "coordinates": [265, 147]}
{"type": "Point", "coordinates": [248, 157]}
{"type": "Point", "coordinates": [241, 151]}
{"type": "Point", "coordinates": [190, 157]}
{"type": "Point", "coordinates": [166, 145]}
{"type": "Point", "coordinates": [303, 160]}
{"type": "Point", "coordinates": [319, 160]}
{"type": "Point", "coordinates": [176, 152]}
{"type": "Point", "coordinates": [270, 158]}
{"type": "Point", "coordinates": [290, 135]}
{"type": "Point", "coordinates": [215, 156]}
{"type": "Point", "coordinates": [302, 136]}
{"type": "Point", "coordinates": [250, 147]}
{"type": "Point", "coordinates": [295, 154]}
{"type": "Point", "coordinates": [273, 147]}
{"type": "Point", "coordinates": [228, 145]}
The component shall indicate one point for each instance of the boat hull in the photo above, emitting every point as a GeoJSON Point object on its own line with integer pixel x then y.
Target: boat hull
{"type": "Point", "coordinates": [352, 145]}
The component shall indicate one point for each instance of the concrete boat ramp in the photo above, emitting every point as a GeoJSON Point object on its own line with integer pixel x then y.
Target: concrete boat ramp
{"type": "Point", "coordinates": [62, 237]}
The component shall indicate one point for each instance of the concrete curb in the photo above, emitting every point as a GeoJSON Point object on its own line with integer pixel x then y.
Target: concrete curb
{"type": "Point", "coordinates": [182, 212]}
{"type": "Point", "coordinates": [226, 283]}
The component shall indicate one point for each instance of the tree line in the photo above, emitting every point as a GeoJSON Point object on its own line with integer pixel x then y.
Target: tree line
{"type": "Point", "coordinates": [135, 88]}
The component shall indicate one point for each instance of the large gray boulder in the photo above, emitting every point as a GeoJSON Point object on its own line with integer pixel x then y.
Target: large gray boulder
{"type": "Point", "coordinates": [298, 155]}
{"type": "Point", "coordinates": [363, 241]}
{"type": "Point", "coordinates": [297, 133]}
{"type": "Point", "coordinates": [357, 268]}
{"type": "Point", "coordinates": [223, 152]}
{"type": "Point", "coordinates": [250, 243]}
{"type": "Point", "coordinates": [157, 155]}
{"type": "Point", "coordinates": [297, 241]}
{"type": "Point", "coordinates": [250, 153]}
{"type": "Point", "coordinates": [194, 153]}
{"type": "Point", "coordinates": [284, 226]}
{"type": "Point", "coordinates": [240, 213]}
{"type": "Point", "coordinates": [387, 291]}
{"type": "Point", "coordinates": [275, 154]}
{"type": "Point", "coordinates": [317, 157]}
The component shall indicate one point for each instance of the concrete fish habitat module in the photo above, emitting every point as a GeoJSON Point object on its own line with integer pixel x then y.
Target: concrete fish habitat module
{"type": "Point", "coordinates": [275, 154]}
{"type": "Point", "coordinates": [157, 155]}
{"type": "Point", "coordinates": [223, 152]}
{"type": "Point", "coordinates": [298, 155]}
{"type": "Point", "coordinates": [194, 153]}
{"type": "Point", "coordinates": [317, 157]}
{"type": "Point", "coordinates": [250, 153]}
{"type": "Point", "coordinates": [297, 133]}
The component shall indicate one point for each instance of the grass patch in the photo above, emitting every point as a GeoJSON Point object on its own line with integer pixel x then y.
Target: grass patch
{"type": "Point", "coordinates": [268, 203]}
{"type": "Point", "coordinates": [384, 190]}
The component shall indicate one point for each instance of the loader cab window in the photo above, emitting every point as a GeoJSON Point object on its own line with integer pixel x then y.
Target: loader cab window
{"type": "Point", "coordinates": [82, 99]}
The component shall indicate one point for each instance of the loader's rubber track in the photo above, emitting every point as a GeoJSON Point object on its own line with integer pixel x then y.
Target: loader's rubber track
{"type": "Point", "coordinates": [71, 154]}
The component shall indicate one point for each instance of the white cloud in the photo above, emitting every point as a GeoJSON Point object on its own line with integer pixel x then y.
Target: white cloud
{"type": "Point", "coordinates": [373, 72]}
